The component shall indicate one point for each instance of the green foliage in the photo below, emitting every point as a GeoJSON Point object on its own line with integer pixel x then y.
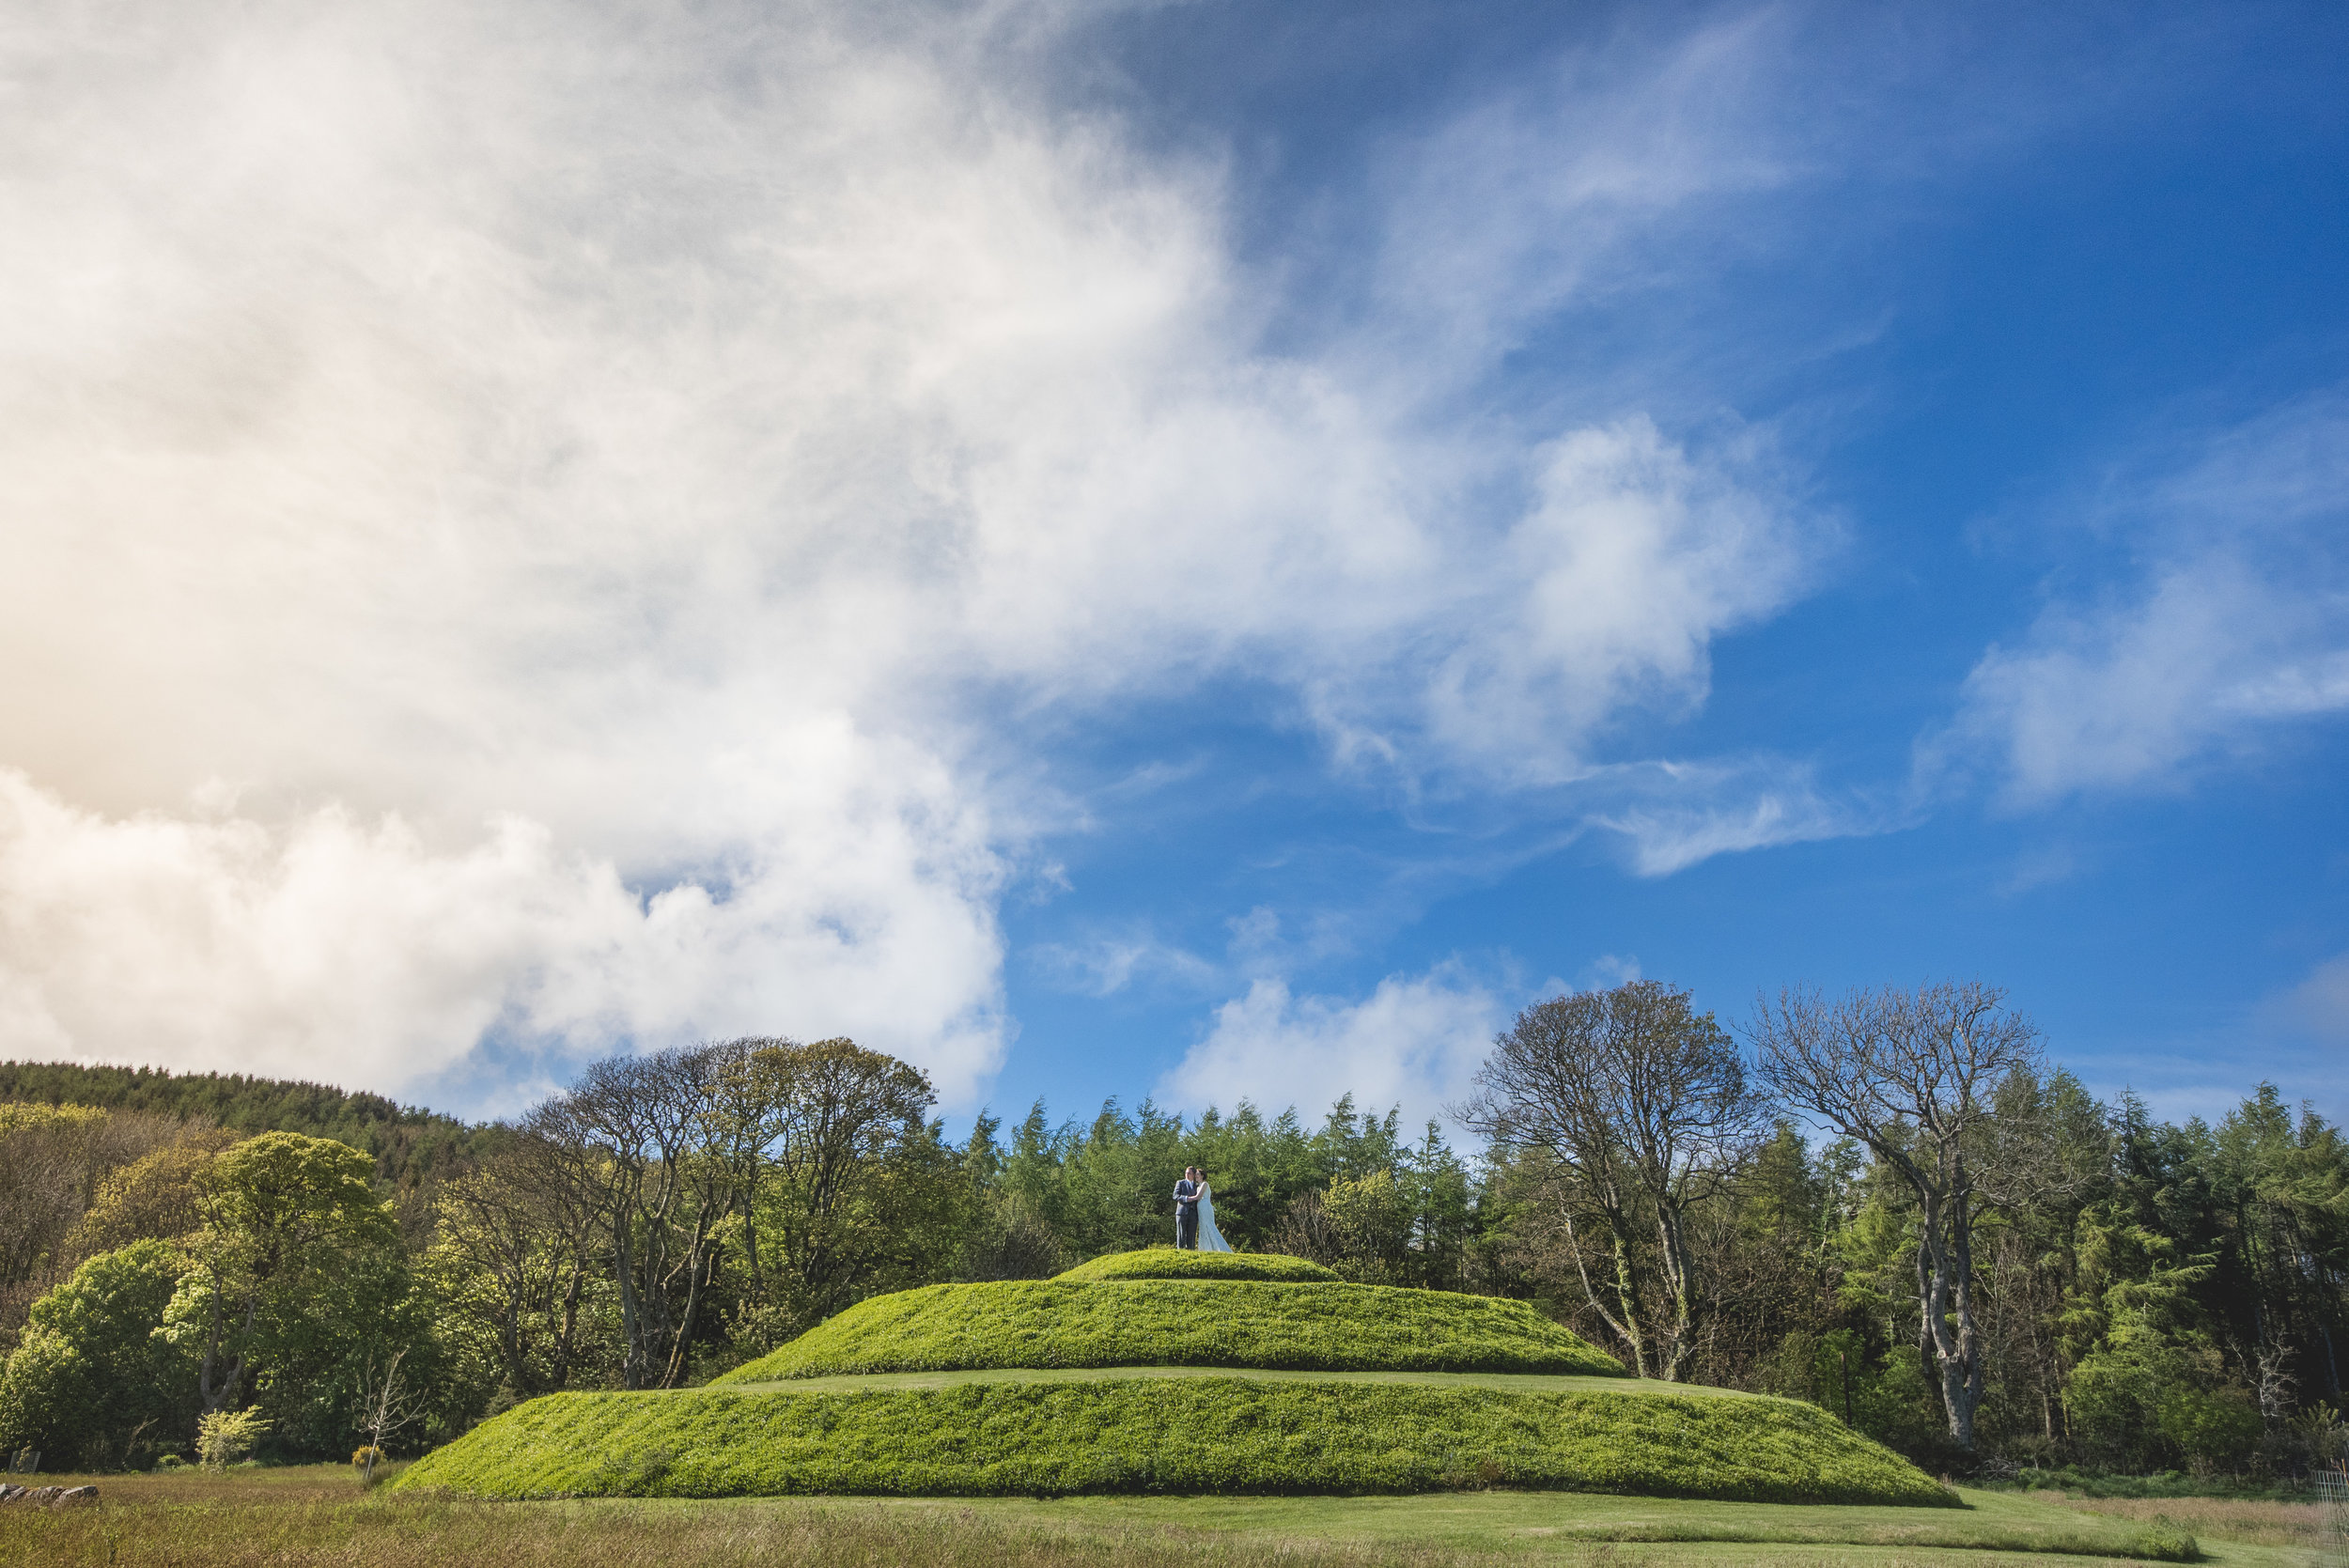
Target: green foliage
{"type": "Point", "coordinates": [1105, 1185]}
{"type": "Point", "coordinates": [1166, 1262]}
{"type": "Point", "coordinates": [225, 1437]}
{"type": "Point", "coordinates": [1166, 1434]}
{"type": "Point", "coordinates": [409, 1145]}
{"type": "Point", "coordinates": [1225, 1323]}
{"type": "Point", "coordinates": [1372, 1216]}
{"type": "Point", "coordinates": [297, 1280]}
{"type": "Point", "coordinates": [92, 1380]}
{"type": "Point", "coordinates": [2148, 1383]}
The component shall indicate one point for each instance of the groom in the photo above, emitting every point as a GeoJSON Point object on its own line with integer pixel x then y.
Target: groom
{"type": "Point", "coordinates": [1187, 1208]}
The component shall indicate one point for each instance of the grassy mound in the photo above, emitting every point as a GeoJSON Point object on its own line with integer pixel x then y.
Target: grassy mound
{"type": "Point", "coordinates": [1198, 1323]}
{"type": "Point", "coordinates": [1169, 1435]}
{"type": "Point", "coordinates": [1166, 1262]}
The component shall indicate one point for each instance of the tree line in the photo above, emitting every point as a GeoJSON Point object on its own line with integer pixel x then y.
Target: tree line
{"type": "Point", "coordinates": [1888, 1203]}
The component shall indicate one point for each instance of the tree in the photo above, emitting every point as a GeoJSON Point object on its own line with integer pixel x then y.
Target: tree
{"type": "Point", "coordinates": [855, 1187]}
{"type": "Point", "coordinates": [2146, 1385]}
{"type": "Point", "coordinates": [1915, 1076]}
{"type": "Point", "coordinates": [158, 1196]}
{"type": "Point", "coordinates": [388, 1406]}
{"type": "Point", "coordinates": [514, 1254]}
{"type": "Point", "coordinates": [53, 1160]}
{"type": "Point", "coordinates": [627, 1138]}
{"type": "Point", "coordinates": [296, 1259]}
{"type": "Point", "coordinates": [794, 1176]}
{"type": "Point", "coordinates": [91, 1382]}
{"type": "Point", "coordinates": [1637, 1112]}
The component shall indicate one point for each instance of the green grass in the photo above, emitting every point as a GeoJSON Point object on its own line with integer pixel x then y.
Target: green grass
{"type": "Point", "coordinates": [314, 1517]}
{"type": "Point", "coordinates": [1522, 1382]}
{"type": "Point", "coordinates": [1167, 1263]}
{"type": "Point", "coordinates": [1189, 1435]}
{"type": "Point", "coordinates": [1540, 1523]}
{"type": "Point", "coordinates": [1214, 1323]}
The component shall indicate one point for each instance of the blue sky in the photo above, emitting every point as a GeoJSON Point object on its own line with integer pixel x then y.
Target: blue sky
{"type": "Point", "coordinates": [1150, 550]}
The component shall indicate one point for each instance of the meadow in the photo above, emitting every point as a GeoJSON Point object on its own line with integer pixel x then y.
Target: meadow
{"type": "Point", "coordinates": [302, 1516]}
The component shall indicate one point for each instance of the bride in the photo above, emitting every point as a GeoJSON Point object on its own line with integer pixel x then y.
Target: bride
{"type": "Point", "coordinates": [1210, 1239]}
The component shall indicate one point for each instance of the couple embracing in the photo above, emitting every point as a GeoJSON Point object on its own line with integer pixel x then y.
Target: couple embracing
{"type": "Point", "coordinates": [1194, 1214]}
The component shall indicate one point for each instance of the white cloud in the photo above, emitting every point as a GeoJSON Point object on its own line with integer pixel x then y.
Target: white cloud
{"type": "Point", "coordinates": [2239, 622]}
{"type": "Point", "coordinates": [1673, 815]}
{"type": "Point", "coordinates": [1608, 591]}
{"type": "Point", "coordinates": [665, 436]}
{"type": "Point", "coordinates": [326, 944]}
{"type": "Point", "coordinates": [1416, 1041]}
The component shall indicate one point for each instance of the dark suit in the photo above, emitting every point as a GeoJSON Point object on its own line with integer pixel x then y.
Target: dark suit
{"type": "Point", "coordinates": [1187, 1213]}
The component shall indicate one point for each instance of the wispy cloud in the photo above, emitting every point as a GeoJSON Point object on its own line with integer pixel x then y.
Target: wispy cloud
{"type": "Point", "coordinates": [1671, 815]}
{"type": "Point", "coordinates": [2233, 623]}
{"type": "Point", "coordinates": [2317, 1009]}
{"type": "Point", "coordinates": [1107, 965]}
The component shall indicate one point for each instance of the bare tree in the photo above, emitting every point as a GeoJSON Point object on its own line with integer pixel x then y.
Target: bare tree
{"type": "Point", "coordinates": [631, 1141]}
{"type": "Point", "coordinates": [1638, 1106]}
{"type": "Point", "coordinates": [390, 1406]}
{"type": "Point", "coordinates": [529, 1225]}
{"type": "Point", "coordinates": [792, 1140]}
{"type": "Point", "coordinates": [1917, 1076]}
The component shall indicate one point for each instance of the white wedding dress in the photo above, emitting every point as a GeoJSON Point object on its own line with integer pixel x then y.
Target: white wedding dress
{"type": "Point", "coordinates": [1210, 1239]}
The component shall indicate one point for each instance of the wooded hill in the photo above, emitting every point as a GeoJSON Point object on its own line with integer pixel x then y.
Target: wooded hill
{"type": "Point", "coordinates": [411, 1146]}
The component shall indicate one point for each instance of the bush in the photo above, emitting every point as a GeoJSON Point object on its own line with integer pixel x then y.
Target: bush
{"type": "Point", "coordinates": [1183, 1435]}
{"type": "Point", "coordinates": [225, 1437]}
{"type": "Point", "coordinates": [1189, 1323]}
{"type": "Point", "coordinates": [1166, 1262]}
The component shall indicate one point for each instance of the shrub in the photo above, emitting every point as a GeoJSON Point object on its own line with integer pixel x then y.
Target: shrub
{"type": "Point", "coordinates": [1190, 1323]}
{"type": "Point", "coordinates": [1166, 1262]}
{"type": "Point", "coordinates": [1171, 1435]}
{"type": "Point", "coordinates": [225, 1437]}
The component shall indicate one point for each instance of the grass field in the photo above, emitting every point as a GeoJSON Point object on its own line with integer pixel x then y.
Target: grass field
{"type": "Point", "coordinates": [1213, 1323]}
{"type": "Point", "coordinates": [1006, 1436]}
{"type": "Point", "coordinates": [315, 1516]}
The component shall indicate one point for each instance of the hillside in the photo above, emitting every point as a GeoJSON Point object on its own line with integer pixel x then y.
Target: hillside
{"type": "Point", "coordinates": [1144, 1433]}
{"type": "Point", "coordinates": [411, 1146]}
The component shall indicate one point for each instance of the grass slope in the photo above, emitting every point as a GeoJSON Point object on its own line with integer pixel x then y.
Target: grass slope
{"type": "Point", "coordinates": [1221, 1323]}
{"type": "Point", "coordinates": [1168, 1435]}
{"type": "Point", "coordinates": [1167, 1263]}
{"type": "Point", "coordinates": [1519, 1382]}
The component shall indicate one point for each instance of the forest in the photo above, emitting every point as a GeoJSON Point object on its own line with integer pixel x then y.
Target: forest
{"type": "Point", "coordinates": [1891, 1204]}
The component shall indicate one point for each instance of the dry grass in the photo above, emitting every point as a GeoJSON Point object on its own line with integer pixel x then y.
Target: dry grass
{"type": "Point", "coordinates": [2256, 1523]}
{"type": "Point", "coordinates": [317, 1518]}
